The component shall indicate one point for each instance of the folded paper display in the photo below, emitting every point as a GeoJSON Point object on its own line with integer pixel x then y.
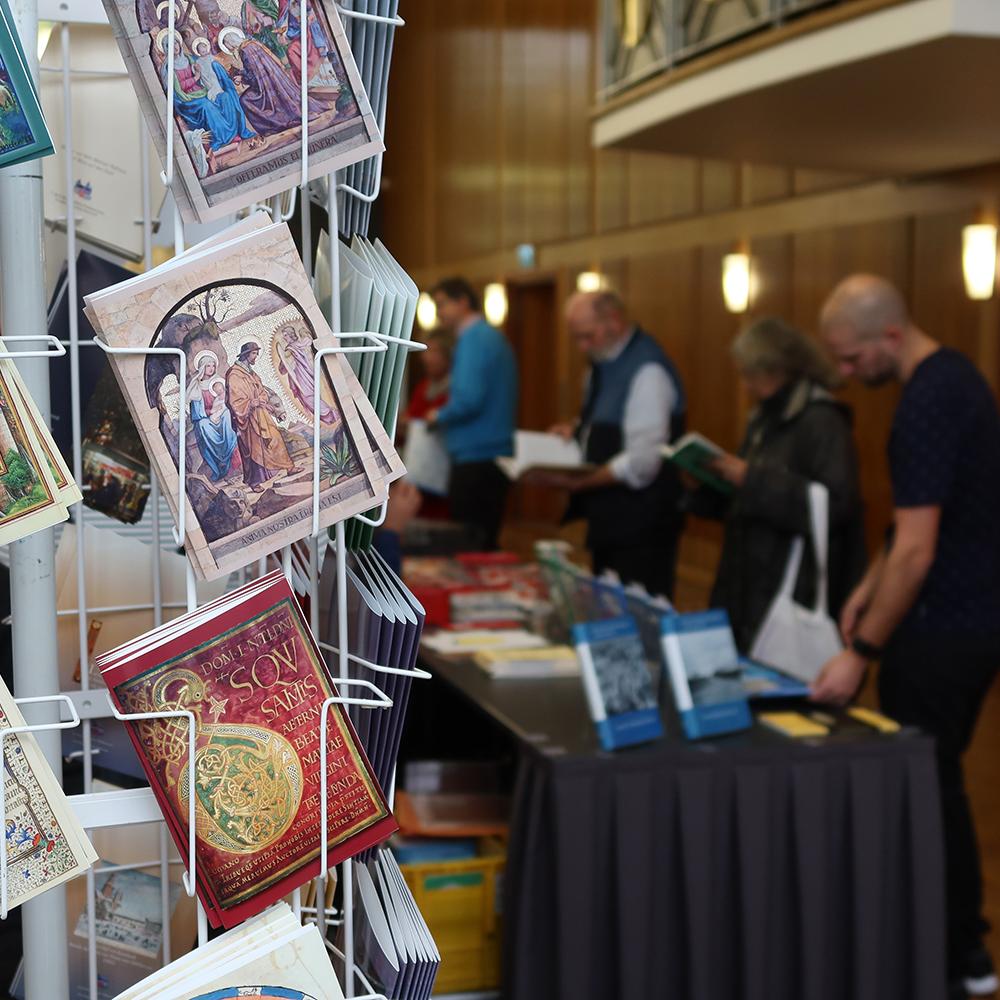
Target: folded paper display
{"type": "Point", "coordinates": [241, 311]}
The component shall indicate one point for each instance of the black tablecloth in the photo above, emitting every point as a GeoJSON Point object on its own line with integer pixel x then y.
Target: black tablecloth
{"type": "Point", "coordinates": [748, 867]}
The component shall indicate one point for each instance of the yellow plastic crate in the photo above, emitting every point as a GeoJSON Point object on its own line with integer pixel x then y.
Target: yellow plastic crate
{"type": "Point", "coordinates": [461, 902]}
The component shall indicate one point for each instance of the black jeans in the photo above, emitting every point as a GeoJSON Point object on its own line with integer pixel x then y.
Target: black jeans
{"type": "Point", "coordinates": [938, 683]}
{"type": "Point", "coordinates": [652, 562]}
{"type": "Point", "coordinates": [477, 494]}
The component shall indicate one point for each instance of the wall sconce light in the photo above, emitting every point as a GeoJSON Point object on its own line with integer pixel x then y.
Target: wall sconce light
{"type": "Point", "coordinates": [591, 281]}
{"type": "Point", "coordinates": [427, 314]}
{"type": "Point", "coordinates": [979, 260]}
{"type": "Point", "coordinates": [736, 281]}
{"type": "Point", "coordinates": [495, 303]}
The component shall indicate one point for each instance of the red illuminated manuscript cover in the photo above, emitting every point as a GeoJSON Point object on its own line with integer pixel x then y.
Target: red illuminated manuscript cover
{"type": "Point", "coordinates": [255, 682]}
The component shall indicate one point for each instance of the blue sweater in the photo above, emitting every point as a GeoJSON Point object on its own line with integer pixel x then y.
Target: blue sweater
{"type": "Point", "coordinates": [478, 418]}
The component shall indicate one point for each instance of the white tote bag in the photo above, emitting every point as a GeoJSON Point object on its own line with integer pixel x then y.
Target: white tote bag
{"type": "Point", "coordinates": [792, 638]}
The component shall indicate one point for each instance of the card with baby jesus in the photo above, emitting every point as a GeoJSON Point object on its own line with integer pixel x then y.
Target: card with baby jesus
{"type": "Point", "coordinates": [239, 69]}
{"type": "Point", "coordinates": [243, 314]}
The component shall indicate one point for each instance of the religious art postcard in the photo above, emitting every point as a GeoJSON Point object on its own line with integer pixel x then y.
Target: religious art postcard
{"type": "Point", "coordinates": [45, 843]}
{"type": "Point", "coordinates": [249, 670]}
{"type": "Point", "coordinates": [245, 317]}
{"type": "Point", "coordinates": [238, 67]}
{"type": "Point", "coordinates": [29, 495]}
{"type": "Point", "coordinates": [23, 134]}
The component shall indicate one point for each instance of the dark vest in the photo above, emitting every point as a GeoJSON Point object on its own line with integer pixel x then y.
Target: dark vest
{"type": "Point", "coordinates": [617, 514]}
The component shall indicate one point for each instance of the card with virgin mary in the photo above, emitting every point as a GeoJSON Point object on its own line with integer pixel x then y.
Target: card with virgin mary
{"type": "Point", "coordinates": [252, 82]}
{"type": "Point", "coordinates": [241, 420]}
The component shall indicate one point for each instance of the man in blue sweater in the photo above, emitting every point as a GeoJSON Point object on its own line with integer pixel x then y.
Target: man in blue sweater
{"type": "Point", "coordinates": [478, 419]}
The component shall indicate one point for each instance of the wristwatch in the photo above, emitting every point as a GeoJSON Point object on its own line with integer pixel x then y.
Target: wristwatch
{"type": "Point", "coordinates": [866, 649]}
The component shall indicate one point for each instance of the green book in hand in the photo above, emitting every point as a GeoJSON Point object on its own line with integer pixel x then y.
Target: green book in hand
{"type": "Point", "coordinates": [692, 453]}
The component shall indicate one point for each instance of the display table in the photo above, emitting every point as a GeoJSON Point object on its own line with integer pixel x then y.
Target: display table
{"type": "Point", "coordinates": [746, 867]}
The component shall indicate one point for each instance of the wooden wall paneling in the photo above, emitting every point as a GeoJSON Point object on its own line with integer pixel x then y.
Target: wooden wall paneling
{"type": "Point", "coordinates": [771, 263]}
{"type": "Point", "coordinates": [713, 394]}
{"type": "Point", "coordinates": [511, 123]}
{"type": "Point", "coordinates": [408, 186]}
{"type": "Point", "coordinates": [661, 186]}
{"type": "Point", "coordinates": [467, 102]}
{"type": "Point", "coordinates": [611, 189]}
{"type": "Point", "coordinates": [938, 303]}
{"type": "Point", "coordinates": [764, 183]}
{"type": "Point", "coordinates": [719, 188]}
{"type": "Point", "coordinates": [579, 82]}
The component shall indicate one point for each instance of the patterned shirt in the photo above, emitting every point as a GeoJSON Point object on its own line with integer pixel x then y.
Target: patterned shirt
{"type": "Point", "coordinates": [944, 451]}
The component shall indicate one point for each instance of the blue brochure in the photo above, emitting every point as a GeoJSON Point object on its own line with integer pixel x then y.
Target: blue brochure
{"type": "Point", "coordinates": [704, 670]}
{"type": "Point", "coordinates": [617, 683]}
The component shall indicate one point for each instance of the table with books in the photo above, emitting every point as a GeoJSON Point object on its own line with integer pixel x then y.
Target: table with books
{"type": "Point", "coordinates": [753, 864]}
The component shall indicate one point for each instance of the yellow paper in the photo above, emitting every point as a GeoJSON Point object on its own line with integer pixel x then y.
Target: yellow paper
{"type": "Point", "coordinates": [793, 724]}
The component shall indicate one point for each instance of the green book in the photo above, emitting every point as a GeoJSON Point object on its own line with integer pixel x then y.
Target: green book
{"type": "Point", "coordinates": [692, 453]}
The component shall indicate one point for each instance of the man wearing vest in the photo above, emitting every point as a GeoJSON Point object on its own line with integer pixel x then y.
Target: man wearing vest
{"type": "Point", "coordinates": [478, 419]}
{"type": "Point", "coordinates": [633, 404]}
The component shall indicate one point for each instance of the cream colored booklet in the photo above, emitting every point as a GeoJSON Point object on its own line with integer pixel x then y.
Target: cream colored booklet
{"type": "Point", "coordinates": [244, 315]}
{"type": "Point", "coordinates": [45, 843]}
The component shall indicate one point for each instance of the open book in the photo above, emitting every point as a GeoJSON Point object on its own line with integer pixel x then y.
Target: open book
{"type": "Point", "coordinates": [692, 453]}
{"type": "Point", "coordinates": [544, 452]}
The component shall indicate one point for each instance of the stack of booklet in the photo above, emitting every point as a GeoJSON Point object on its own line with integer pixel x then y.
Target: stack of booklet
{"type": "Point", "coordinates": [237, 77]}
{"type": "Point", "coordinates": [372, 40]}
{"type": "Point", "coordinates": [45, 844]}
{"type": "Point", "coordinates": [248, 669]}
{"type": "Point", "coordinates": [240, 309]}
{"type": "Point", "coordinates": [270, 957]}
{"type": "Point", "coordinates": [36, 486]}
{"type": "Point", "coordinates": [23, 133]}
{"type": "Point", "coordinates": [378, 296]}
{"type": "Point", "coordinates": [396, 952]}
{"type": "Point", "coordinates": [384, 626]}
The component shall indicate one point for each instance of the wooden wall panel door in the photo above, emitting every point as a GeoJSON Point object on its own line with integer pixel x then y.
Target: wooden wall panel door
{"type": "Point", "coordinates": [533, 328]}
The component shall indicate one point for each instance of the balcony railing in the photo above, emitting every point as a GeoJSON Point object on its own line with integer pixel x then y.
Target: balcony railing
{"type": "Point", "coordinates": [645, 37]}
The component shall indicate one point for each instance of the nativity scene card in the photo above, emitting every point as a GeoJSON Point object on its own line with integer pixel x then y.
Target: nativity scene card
{"type": "Point", "coordinates": [244, 316]}
{"type": "Point", "coordinates": [238, 67]}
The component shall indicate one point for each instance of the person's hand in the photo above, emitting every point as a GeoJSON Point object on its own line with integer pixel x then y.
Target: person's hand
{"type": "Point", "coordinates": [731, 468]}
{"type": "Point", "coordinates": [431, 417]}
{"type": "Point", "coordinates": [564, 430]}
{"type": "Point", "coordinates": [404, 502]}
{"type": "Point", "coordinates": [689, 482]}
{"type": "Point", "coordinates": [854, 608]}
{"type": "Point", "coordinates": [840, 678]}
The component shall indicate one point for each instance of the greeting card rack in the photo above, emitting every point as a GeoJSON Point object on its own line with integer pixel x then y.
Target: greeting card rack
{"type": "Point", "coordinates": [32, 560]}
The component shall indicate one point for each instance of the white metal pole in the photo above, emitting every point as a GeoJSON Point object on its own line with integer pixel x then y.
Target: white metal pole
{"type": "Point", "coordinates": [32, 578]}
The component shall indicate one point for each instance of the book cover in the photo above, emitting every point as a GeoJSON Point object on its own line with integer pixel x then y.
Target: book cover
{"type": "Point", "coordinates": [702, 664]}
{"type": "Point", "coordinates": [23, 133]}
{"type": "Point", "coordinates": [253, 678]}
{"type": "Point", "coordinates": [237, 69]}
{"type": "Point", "coordinates": [45, 844]}
{"type": "Point", "coordinates": [29, 495]}
{"type": "Point", "coordinates": [243, 313]}
{"type": "Point", "coordinates": [617, 683]}
{"type": "Point", "coordinates": [692, 453]}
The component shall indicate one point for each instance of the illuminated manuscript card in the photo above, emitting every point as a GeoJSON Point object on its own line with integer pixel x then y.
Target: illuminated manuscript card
{"type": "Point", "coordinates": [249, 671]}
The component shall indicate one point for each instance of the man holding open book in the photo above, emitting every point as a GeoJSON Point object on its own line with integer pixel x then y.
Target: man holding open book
{"type": "Point", "coordinates": [634, 403]}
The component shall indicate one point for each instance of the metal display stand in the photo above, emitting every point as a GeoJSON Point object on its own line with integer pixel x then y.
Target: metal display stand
{"type": "Point", "coordinates": [33, 619]}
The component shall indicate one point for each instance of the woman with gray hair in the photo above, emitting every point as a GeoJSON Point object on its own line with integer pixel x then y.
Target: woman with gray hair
{"type": "Point", "coordinates": [796, 434]}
